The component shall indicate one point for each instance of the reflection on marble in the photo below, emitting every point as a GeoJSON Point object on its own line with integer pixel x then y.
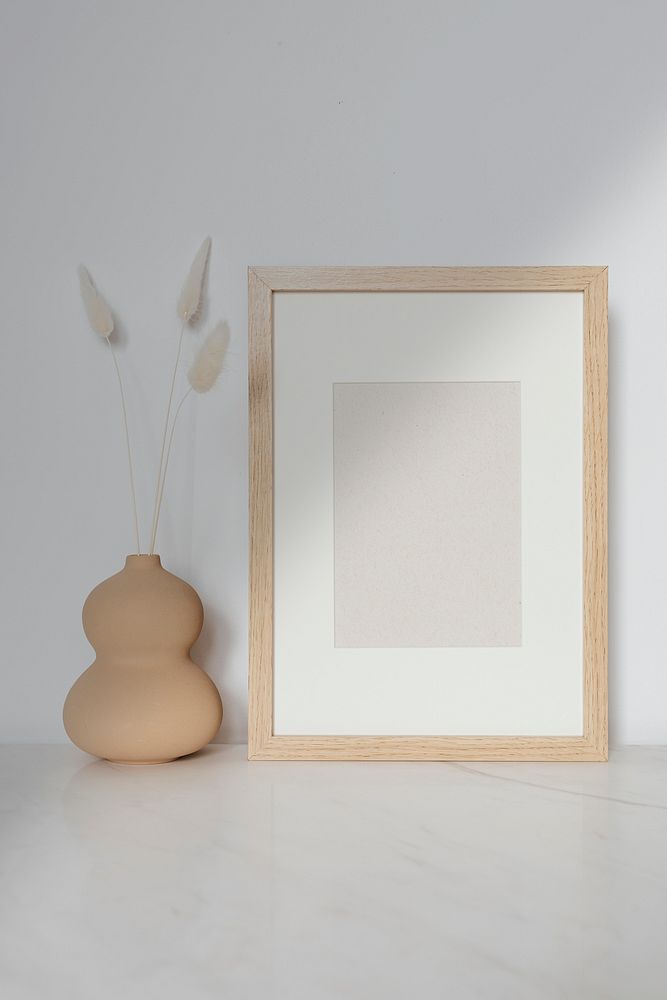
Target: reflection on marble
{"type": "Point", "coordinates": [216, 878]}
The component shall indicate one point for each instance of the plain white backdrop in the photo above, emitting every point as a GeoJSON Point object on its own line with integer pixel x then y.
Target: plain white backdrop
{"type": "Point", "coordinates": [304, 132]}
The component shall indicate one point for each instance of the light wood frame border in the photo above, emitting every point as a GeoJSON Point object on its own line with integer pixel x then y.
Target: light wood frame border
{"type": "Point", "coordinates": [592, 282]}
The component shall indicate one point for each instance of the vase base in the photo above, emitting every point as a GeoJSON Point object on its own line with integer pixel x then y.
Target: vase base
{"type": "Point", "coordinates": [140, 763]}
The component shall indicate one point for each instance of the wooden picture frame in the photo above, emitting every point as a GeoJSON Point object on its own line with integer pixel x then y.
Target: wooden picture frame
{"type": "Point", "coordinates": [264, 743]}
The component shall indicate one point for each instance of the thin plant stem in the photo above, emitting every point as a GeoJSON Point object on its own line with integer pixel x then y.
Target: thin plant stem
{"type": "Point", "coordinates": [127, 442]}
{"type": "Point", "coordinates": [164, 439]}
{"type": "Point", "coordinates": [164, 472]}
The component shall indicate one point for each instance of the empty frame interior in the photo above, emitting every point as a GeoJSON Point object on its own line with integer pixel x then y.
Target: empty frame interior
{"type": "Point", "coordinates": [427, 514]}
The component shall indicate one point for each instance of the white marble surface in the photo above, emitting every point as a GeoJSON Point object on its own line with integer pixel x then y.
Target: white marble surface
{"type": "Point", "coordinates": [217, 878]}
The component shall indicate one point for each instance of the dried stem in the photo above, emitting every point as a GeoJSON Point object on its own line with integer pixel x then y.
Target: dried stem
{"type": "Point", "coordinates": [127, 442]}
{"type": "Point", "coordinates": [164, 440]}
{"type": "Point", "coordinates": [164, 473]}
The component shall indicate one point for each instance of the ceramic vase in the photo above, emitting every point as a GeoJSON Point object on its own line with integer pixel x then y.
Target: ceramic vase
{"type": "Point", "coordinates": [143, 700]}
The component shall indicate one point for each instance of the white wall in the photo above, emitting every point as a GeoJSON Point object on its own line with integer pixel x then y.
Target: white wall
{"type": "Point", "coordinates": [368, 132]}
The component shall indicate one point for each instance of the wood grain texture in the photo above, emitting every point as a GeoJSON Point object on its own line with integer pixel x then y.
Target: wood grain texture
{"type": "Point", "coordinates": [260, 678]}
{"type": "Point", "coordinates": [533, 748]}
{"type": "Point", "coordinates": [595, 514]}
{"type": "Point", "coordinates": [424, 279]}
{"type": "Point", "coordinates": [262, 743]}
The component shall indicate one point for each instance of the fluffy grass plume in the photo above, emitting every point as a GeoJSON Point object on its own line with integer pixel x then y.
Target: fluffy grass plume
{"type": "Point", "coordinates": [100, 316]}
{"type": "Point", "coordinates": [209, 359]}
{"type": "Point", "coordinates": [187, 308]}
{"type": "Point", "coordinates": [190, 297]}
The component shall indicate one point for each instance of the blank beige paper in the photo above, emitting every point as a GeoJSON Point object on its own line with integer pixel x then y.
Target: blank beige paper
{"type": "Point", "coordinates": [427, 514]}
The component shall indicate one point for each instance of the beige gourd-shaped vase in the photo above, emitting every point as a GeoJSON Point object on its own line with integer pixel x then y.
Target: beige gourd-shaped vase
{"type": "Point", "coordinates": [143, 700]}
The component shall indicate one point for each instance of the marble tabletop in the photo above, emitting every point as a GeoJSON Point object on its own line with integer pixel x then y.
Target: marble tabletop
{"type": "Point", "coordinates": [217, 878]}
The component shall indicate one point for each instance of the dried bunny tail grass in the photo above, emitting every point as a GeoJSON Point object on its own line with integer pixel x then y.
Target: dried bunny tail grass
{"type": "Point", "coordinates": [202, 376]}
{"type": "Point", "coordinates": [163, 475]}
{"type": "Point", "coordinates": [128, 445]}
{"type": "Point", "coordinates": [100, 316]}
{"type": "Point", "coordinates": [187, 308]}
{"type": "Point", "coordinates": [208, 362]}
{"type": "Point", "coordinates": [190, 297]}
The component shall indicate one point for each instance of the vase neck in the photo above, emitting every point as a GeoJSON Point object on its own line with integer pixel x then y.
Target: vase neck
{"type": "Point", "coordinates": [142, 562]}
